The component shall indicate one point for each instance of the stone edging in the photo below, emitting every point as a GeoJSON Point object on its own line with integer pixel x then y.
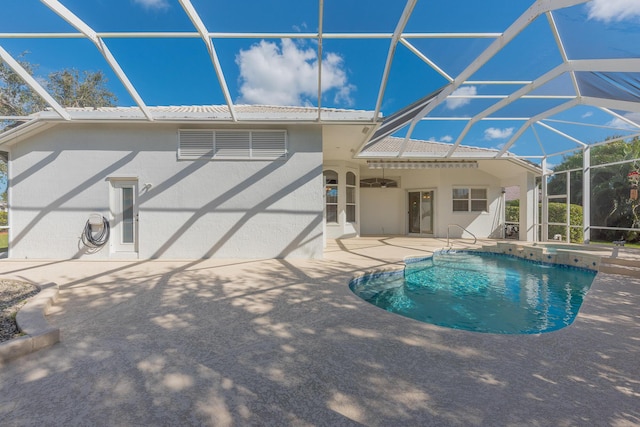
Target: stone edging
{"type": "Point", "coordinates": [31, 321]}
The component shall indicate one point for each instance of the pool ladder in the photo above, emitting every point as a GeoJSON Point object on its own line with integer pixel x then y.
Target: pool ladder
{"type": "Point", "coordinates": [475, 239]}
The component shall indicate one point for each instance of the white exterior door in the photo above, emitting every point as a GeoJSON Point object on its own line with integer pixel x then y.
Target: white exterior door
{"type": "Point", "coordinates": [124, 217]}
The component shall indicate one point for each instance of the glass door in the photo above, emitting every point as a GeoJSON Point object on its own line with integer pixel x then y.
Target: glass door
{"type": "Point", "coordinates": [421, 212]}
{"type": "Point", "coordinates": [124, 227]}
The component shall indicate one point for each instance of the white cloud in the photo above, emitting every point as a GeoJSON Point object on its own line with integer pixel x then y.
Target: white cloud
{"type": "Point", "coordinates": [153, 4]}
{"type": "Point", "coordinates": [495, 133]}
{"type": "Point", "coordinates": [300, 28]}
{"type": "Point", "coordinates": [446, 138]}
{"type": "Point", "coordinates": [587, 115]}
{"type": "Point", "coordinates": [286, 74]}
{"type": "Point", "coordinates": [613, 10]}
{"type": "Point", "coordinates": [621, 124]}
{"type": "Point", "coordinates": [453, 103]}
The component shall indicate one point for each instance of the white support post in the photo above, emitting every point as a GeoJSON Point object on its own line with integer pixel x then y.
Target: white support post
{"type": "Point", "coordinates": [586, 194]}
{"type": "Point", "coordinates": [568, 208]}
{"type": "Point", "coordinates": [320, 30]}
{"type": "Point", "coordinates": [527, 207]}
{"type": "Point", "coordinates": [545, 202]}
{"type": "Point", "coordinates": [536, 214]}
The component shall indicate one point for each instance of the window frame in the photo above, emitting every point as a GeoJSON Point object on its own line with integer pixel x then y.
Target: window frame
{"type": "Point", "coordinates": [470, 199]}
{"type": "Point", "coordinates": [353, 187]}
{"type": "Point", "coordinates": [334, 186]}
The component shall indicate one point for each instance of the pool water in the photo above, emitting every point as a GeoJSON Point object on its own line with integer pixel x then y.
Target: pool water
{"type": "Point", "coordinates": [481, 292]}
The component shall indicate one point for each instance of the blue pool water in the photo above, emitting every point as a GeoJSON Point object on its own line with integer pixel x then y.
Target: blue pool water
{"type": "Point", "coordinates": [481, 292]}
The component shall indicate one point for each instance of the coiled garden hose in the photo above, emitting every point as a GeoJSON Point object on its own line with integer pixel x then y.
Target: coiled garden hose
{"type": "Point", "coordinates": [99, 240]}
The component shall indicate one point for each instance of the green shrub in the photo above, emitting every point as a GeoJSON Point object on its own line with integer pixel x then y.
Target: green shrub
{"type": "Point", "coordinates": [513, 211]}
{"type": "Point", "coordinates": [557, 213]}
{"type": "Point", "coordinates": [3, 218]}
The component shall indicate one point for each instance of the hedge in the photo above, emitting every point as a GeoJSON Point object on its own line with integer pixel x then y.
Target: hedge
{"type": "Point", "coordinates": [557, 213]}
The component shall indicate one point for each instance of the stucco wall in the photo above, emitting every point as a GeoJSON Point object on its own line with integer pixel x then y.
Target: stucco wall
{"type": "Point", "coordinates": [387, 208]}
{"type": "Point", "coordinates": [193, 209]}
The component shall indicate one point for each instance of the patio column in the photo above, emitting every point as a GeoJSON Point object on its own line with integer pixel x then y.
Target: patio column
{"type": "Point", "coordinates": [586, 194]}
{"type": "Point", "coordinates": [527, 207]}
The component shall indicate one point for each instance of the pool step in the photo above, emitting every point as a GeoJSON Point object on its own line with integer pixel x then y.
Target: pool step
{"type": "Point", "coordinates": [625, 267]}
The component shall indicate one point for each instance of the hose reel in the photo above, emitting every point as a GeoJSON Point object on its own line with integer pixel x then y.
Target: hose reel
{"type": "Point", "coordinates": [96, 231]}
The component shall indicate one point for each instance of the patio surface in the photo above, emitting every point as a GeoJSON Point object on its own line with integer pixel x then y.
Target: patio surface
{"type": "Point", "coordinates": [285, 342]}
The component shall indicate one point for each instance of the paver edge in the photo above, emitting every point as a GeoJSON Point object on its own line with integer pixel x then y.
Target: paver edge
{"type": "Point", "coordinates": [31, 320]}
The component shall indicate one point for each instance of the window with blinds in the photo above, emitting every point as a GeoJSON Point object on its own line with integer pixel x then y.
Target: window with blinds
{"type": "Point", "coordinates": [200, 144]}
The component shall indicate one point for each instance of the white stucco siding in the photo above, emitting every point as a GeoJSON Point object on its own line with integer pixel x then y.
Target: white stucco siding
{"type": "Point", "coordinates": [481, 224]}
{"type": "Point", "coordinates": [191, 209]}
{"type": "Point", "coordinates": [384, 211]}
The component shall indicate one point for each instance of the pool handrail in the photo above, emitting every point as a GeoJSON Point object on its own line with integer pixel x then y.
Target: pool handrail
{"type": "Point", "coordinates": [475, 239]}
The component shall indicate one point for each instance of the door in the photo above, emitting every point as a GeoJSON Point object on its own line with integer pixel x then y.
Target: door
{"type": "Point", "coordinates": [421, 212]}
{"type": "Point", "coordinates": [124, 214]}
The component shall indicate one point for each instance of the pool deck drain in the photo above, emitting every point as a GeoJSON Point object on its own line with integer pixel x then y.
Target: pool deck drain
{"type": "Point", "coordinates": [285, 342]}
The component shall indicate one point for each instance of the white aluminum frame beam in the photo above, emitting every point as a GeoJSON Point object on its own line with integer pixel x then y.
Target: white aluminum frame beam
{"type": "Point", "coordinates": [426, 59]}
{"type": "Point", "coordinates": [320, 23]}
{"type": "Point", "coordinates": [567, 122]}
{"type": "Point", "coordinates": [524, 127]}
{"type": "Point", "coordinates": [397, 34]}
{"type": "Point", "coordinates": [534, 11]}
{"type": "Point", "coordinates": [33, 83]}
{"type": "Point", "coordinates": [561, 48]}
{"type": "Point", "coordinates": [218, 35]}
{"type": "Point", "coordinates": [204, 34]}
{"type": "Point", "coordinates": [89, 33]}
{"type": "Point", "coordinates": [612, 104]}
{"type": "Point", "coordinates": [569, 137]}
{"type": "Point", "coordinates": [571, 67]}
{"type": "Point", "coordinates": [620, 116]}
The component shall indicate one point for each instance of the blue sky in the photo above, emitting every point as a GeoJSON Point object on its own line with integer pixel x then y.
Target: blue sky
{"type": "Point", "coordinates": [277, 71]}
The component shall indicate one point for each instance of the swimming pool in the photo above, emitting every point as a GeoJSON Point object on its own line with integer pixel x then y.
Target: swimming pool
{"type": "Point", "coordinates": [482, 292]}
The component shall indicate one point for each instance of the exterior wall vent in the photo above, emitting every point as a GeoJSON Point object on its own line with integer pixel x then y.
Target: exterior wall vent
{"type": "Point", "coordinates": [196, 144]}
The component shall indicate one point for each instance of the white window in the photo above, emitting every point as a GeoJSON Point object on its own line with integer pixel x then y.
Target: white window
{"type": "Point", "coordinates": [210, 144]}
{"type": "Point", "coordinates": [331, 195]}
{"type": "Point", "coordinates": [466, 199]}
{"type": "Point", "coordinates": [351, 197]}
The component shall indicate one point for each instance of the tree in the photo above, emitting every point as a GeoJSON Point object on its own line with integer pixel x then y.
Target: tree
{"type": "Point", "coordinates": [16, 97]}
{"type": "Point", "coordinates": [610, 188]}
{"type": "Point", "coordinates": [70, 87]}
{"type": "Point", "coordinates": [74, 89]}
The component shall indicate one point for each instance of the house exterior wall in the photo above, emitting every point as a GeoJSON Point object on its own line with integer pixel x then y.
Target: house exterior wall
{"type": "Point", "coordinates": [187, 209]}
{"type": "Point", "coordinates": [385, 211]}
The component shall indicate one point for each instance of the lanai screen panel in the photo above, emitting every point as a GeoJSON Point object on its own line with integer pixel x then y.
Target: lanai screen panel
{"type": "Point", "coordinates": [491, 65]}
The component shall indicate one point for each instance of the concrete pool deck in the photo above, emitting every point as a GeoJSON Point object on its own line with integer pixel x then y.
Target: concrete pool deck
{"type": "Point", "coordinates": [285, 342]}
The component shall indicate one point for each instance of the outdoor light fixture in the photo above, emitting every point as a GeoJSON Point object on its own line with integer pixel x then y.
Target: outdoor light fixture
{"type": "Point", "coordinates": [416, 164]}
